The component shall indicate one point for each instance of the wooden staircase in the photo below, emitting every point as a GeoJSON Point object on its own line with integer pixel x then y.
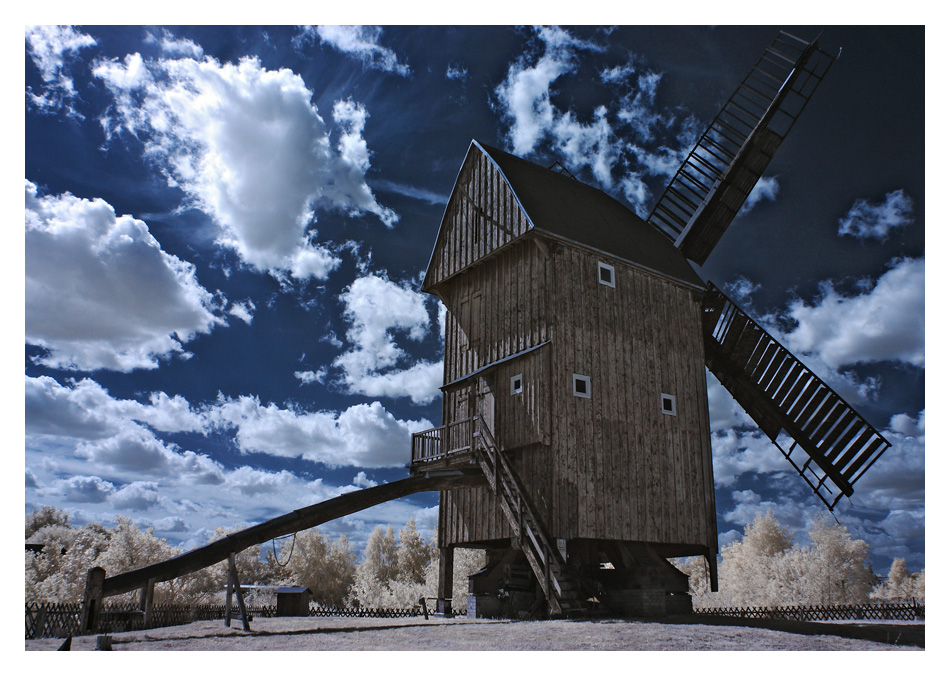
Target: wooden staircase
{"type": "Point", "coordinates": [563, 594]}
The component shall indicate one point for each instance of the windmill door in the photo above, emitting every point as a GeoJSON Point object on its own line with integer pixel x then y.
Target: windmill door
{"type": "Point", "coordinates": [485, 402]}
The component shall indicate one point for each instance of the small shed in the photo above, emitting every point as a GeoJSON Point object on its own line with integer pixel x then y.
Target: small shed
{"type": "Point", "coordinates": [293, 601]}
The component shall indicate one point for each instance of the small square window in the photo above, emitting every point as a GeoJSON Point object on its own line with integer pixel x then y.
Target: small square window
{"type": "Point", "coordinates": [668, 404]}
{"type": "Point", "coordinates": [517, 384]}
{"type": "Point", "coordinates": [581, 386]}
{"type": "Point", "coordinates": [605, 274]}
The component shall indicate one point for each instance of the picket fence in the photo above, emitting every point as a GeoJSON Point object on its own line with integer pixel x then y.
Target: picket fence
{"type": "Point", "coordinates": [911, 611]}
{"type": "Point", "coordinates": [58, 620]}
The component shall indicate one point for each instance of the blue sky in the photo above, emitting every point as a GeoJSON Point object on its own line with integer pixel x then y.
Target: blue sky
{"type": "Point", "coordinates": [226, 230]}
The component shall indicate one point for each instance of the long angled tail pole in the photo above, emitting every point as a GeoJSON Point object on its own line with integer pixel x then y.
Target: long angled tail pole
{"type": "Point", "coordinates": [300, 519]}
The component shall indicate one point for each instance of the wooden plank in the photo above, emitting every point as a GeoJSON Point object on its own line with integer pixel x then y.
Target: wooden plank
{"type": "Point", "coordinates": [820, 416]}
{"type": "Point", "coordinates": [872, 448]}
{"type": "Point", "coordinates": [866, 435]}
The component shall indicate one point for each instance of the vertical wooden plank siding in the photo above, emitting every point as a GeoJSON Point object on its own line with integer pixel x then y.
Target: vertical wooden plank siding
{"type": "Point", "coordinates": [611, 466]}
{"type": "Point", "coordinates": [640, 474]}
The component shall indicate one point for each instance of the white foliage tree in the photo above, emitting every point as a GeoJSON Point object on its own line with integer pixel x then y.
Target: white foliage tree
{"type": "Point", "coordinates": [765, 569]}
{"type": "Point", "coordinates": [391, 574]}
{"type": "Point", "coordinates": [900, 584]}
{"type": "Point", "coordinates": [311, 560]}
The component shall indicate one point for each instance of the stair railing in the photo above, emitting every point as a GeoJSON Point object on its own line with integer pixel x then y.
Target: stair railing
{"type": "Point", "coordinates": [535, 543]}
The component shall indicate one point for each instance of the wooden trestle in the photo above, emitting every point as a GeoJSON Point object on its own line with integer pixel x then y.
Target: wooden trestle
{"type": "Point", "coordinates": [831, 445]}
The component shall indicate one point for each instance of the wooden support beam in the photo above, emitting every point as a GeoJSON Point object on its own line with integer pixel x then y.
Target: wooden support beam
{"type": "Point", "coordinates": [295, 521]}
{"type": "Point", "coordinates": [446, 580]}
{"type": "Point", "coordinates": [92, 600]}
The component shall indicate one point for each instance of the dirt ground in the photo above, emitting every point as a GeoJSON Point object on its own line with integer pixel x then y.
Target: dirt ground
{"type": "Point", "coordinates": [436, 633]}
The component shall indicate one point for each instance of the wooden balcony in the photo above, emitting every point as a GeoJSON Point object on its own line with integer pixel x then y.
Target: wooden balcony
{"type": "Point", "coordinates": [443, 447]}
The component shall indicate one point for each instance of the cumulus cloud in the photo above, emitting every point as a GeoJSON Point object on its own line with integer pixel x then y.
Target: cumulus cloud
{"type": "Point", "coordinates": [885, 323]}
{"type": "Point", "coordinates": [375, 308]}
{"type": "Point", "coordinates": [247, 146]}
{"type": "Point", "coordinates": [100, 291]}
{"type": "Point", "coordinates": [51, 48]}
{"type": "Point", "coordinates": [876, 221]}
{"type": "Point", "coordinates": [361, 42]}
{"type": "Point", "coordinates": [138, 495]}
{"type": "Point", "coordinates": [82, 489]}
{"type": "Point", "coordinates": [365, 435]}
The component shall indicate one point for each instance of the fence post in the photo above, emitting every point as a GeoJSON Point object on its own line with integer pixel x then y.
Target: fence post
{"type": "Point", "coordinates": [92, 600]}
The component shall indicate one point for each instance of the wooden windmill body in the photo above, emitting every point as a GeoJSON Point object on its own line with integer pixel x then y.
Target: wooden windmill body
{"type": "Point", "coordinates": [577, 340]}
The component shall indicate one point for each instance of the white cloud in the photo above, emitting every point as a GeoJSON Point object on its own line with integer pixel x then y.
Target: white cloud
{"type": "Point", "coordinates": [311, 377]}
{"type": "Point", "coordinates": [243, 310]}
{"type": "Point", "coordinates": [876, 221]}
{"type": "Point", "coordinates": [247, 146]}
{"type": "Point", "coordinates": [172, 46]}
{"type": "Point", "coordinates": [455, 72]}
{"type": "Point", "coordinates": [741, 290]}
{"type": "Point", "coordinates": [896, 480]}
{"type": "Point", "coordinates": [82, 489]}
{"type": "Point", "coordinates": [101, 293]}
{"type": "Point", "coordinates": [362, 42]}
{"type": "Point", "coordinates": [375, 307]}
{"type": "Point", "coordinates": [365, 435]}
{"type": "Point", "coordinates": [736, 452]}
{"type": "Point", "coordinates": [526, 100]}
{"type": "Point", "coordinates": [886, 323]}
{"type": "Point", "coordinates": [138, 495]}
{"type": "Point", "coordinates": [49, 47]}
{"type": "Point", "coordinates": [766, 188]}
{"type": "Point", "coordinates": [525, 95]}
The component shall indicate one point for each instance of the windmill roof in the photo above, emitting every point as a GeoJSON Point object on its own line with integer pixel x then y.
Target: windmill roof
{"type": "Point", "coordinates": [567, 209]}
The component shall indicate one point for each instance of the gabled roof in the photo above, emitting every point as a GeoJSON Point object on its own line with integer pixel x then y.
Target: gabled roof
{"type": "Point", "coordinates": [567, 209]}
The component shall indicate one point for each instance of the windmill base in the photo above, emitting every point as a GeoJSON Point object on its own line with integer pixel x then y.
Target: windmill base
{"type": "Point", "coordinates": [618, 579]}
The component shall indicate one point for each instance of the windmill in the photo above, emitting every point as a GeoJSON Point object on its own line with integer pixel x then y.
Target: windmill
{"type": "Point", "coordinates": [577, 339]}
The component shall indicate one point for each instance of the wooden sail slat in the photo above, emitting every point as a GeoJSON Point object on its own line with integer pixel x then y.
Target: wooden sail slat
{"type": "Point", "coordinates": [833, 417]}
{"type": "Point", "coordinates": [810, 428]}
{"type": "Point", "coordinates": [876, 445]}
{"type": "Point", "coordinates": [866, 435]}
{"type": "Point", "coordinates": [779, 377]}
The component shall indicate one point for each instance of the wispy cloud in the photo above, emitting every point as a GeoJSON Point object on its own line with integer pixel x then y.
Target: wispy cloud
{"type": "Point", "coordinates": [359, 41]}
{"type": "Point", "coordinates": [51, 47]}
{"type": "Point", "coordinates": [876, 221]}
{"type": "Point", "coordinates": [617, 142]}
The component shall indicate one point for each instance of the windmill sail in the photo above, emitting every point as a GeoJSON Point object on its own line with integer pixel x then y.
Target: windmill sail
{"type": "Point", "coordinates": [730, 157]}
{"type": "Point", "coordinates": [825, 439]}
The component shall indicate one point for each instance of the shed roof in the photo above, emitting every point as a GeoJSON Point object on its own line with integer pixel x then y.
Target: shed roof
{"type": "Point", "coordinates": [567, 209]}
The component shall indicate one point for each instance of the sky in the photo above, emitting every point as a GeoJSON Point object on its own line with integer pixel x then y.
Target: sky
{"type": "Point", "coordinates": [226, 230]}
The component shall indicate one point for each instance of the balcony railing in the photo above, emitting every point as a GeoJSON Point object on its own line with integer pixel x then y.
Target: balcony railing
{"type": "Point", "coordinates": [439, 443]}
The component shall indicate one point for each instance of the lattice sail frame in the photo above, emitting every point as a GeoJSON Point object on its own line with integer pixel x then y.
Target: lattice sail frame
{"type": "Point", "coordinates": [827, 442]}
{"type": "Point", "coordinates": [714, 181]}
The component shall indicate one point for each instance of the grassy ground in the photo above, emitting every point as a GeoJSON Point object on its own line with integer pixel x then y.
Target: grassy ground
{"type": "Point", "coordinates": [374, 634]}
